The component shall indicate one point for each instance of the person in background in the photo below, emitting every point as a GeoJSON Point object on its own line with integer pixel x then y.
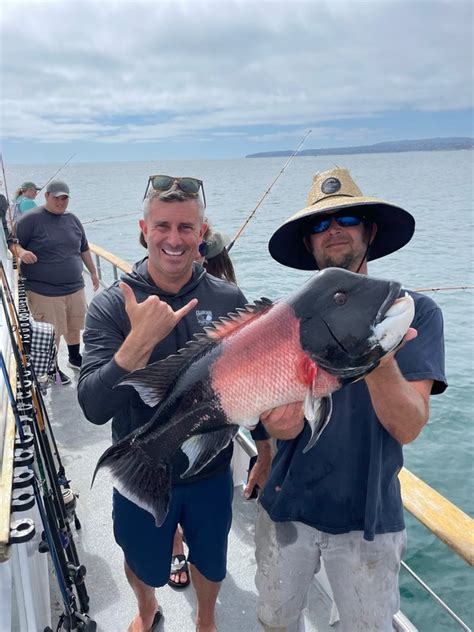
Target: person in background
{"type": "Point", "coordinates": [214, 256]}
{"type": "Point", "coordinates": [25, 199]}
{"type": "Point", "coordinates": [149, 315]}
{"type": "Point", "coordinates": [53, 248]}
{"type": "Point", "coordinates": [340, 502]}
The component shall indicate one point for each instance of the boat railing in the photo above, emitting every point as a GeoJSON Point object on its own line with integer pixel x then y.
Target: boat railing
{"type": "Point", "coordinates": [444, 519]}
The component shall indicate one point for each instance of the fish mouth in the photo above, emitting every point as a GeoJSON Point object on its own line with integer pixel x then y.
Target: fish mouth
{"type": "Point", "coordinates": [392, 296]}
{"type": "Point", "coordinates": [391, 330]}
{"type": "Point", "coordinates": [389, 327]}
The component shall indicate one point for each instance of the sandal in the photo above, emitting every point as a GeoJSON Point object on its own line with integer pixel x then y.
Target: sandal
{"type": "Point", "coordinates": [156, 621]}
{"type": "Point", "coordinates": [179, 564]}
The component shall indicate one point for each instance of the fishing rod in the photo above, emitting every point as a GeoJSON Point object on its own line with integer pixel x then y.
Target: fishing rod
{"type": "Point", "coordinates": [446, 288]}
{"type": "Point", "coordinates": [4, 176]}
{"type": "Point", "coordinates": [36, 393]}
{"type": "Point", "coordinates": [56, 172]}
{"type": "Point", "coordinates": [242, 228]}
{"type": "Point", "coordinates": [59, 571]}
{"type": "Point", "coordinates": [10, 215]}
{"type": "Point", "coordinates": [55, 506]}
{"type": "Point", "coordinates": [71, 617]}
{"type": "Point", "coordinates": [37, 397]}
{"type": "Point", "coordinates": [101, 219]}
{"type": "Point", "coordinates": [76, 571]}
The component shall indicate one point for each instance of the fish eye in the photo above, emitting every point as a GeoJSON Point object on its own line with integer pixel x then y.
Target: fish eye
{"type": "Point", "coordinates": [340, 298]}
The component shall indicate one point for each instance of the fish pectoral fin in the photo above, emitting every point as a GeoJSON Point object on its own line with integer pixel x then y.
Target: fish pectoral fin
{"type": "Point", "coordinates": [143, 482]}
{"type": "Point", "coordinates": [152, 382]}
{"type": "Point", "coordinates": [318, 413]}
{"type": "Point", "coordinates": [201, 449]}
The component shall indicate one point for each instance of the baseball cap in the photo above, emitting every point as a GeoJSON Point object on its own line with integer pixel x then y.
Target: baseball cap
{"type": "Point", "coordinates": [29, 185]}
{"type": "Point", "coordinates": [57, 188]}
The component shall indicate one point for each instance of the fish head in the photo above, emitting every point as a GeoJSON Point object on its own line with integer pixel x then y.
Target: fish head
{"type": "Point", "coordinates": [349, 321]}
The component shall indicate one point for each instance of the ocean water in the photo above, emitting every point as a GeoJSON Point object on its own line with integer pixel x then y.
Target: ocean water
{"type": "Point", "coordinates": [437, 188]}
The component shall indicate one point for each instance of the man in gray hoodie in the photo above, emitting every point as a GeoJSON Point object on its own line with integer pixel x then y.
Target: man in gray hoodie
{"type": "Point", "coordinates": [147, 316]}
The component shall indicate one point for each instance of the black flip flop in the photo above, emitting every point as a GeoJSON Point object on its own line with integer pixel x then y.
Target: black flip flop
{"type": "Point", "coordinates": [179, 564]}
{"type": "Point", "coordinates": [157, 620]}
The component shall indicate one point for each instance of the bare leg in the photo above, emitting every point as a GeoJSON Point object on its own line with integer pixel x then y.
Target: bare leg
{"type": "Point", "coordinates": [73, 337]}
{"type": "Point", "coordinates": [178, 548]}
{"type": "Point", "coordinates": [206, 593]}
{"type": "Point", "coordinates": [147, 603]}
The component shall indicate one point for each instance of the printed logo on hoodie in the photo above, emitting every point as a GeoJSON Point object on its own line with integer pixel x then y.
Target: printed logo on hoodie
{"type": "Point", "coordinates": [204, 317]}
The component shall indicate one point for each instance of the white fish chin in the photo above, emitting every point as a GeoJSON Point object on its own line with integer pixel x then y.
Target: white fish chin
{"type": "Point", "coordinates": [390, 332]}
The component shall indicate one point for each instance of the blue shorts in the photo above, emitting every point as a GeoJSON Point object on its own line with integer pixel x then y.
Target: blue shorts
{"type": "Point", "coordinates": [203, 509]}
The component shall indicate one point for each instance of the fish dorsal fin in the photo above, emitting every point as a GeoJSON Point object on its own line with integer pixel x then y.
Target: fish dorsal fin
{"type": "Point", "coordinates": [201, 449]}
{"type": "Point", "coordinates": [222, 327]}
{"type": "Point", "coordinates": [153, 381]}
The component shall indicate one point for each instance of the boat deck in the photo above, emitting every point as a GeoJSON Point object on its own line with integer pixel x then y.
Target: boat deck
{"type": "Point", "coordinates": [112, 603]}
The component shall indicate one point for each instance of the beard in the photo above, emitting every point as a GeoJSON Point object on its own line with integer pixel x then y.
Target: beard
{"type": "Point", "coordinates": [346, 262]}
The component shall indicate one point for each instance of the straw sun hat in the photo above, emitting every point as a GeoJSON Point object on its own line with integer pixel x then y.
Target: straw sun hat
{"type": "Point", "coordinates": [333, 191]}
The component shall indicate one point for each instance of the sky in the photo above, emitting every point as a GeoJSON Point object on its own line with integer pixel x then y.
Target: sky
{"type": "Point", "coordinates": [111, 80]}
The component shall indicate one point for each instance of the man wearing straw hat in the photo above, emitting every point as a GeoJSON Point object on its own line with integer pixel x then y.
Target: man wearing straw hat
{"type": "Point", "coordinates": [340, 502]}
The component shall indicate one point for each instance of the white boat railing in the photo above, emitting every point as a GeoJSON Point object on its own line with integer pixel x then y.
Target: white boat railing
{"type": "Point", "coordinates": [444, 519]}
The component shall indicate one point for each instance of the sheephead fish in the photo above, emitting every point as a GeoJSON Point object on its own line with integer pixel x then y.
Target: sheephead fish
{"type": "Point", "coordinates": [332, 331]}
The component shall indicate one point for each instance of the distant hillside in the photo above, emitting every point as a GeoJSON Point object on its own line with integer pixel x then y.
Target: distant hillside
{"type": "Point", "coordinates": [426, 144]}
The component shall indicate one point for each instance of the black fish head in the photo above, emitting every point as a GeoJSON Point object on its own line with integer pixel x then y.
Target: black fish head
{"type": "Point", "coordinates": [346, 320]}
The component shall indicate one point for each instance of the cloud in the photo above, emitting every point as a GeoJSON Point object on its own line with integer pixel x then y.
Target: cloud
{"type": "Point", "coordinates": [114, 72]}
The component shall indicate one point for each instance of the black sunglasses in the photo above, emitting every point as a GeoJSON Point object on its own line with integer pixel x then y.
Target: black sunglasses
{"type": "Point", "coordinates": [190, 186]}
{"type": "Point", "coordinates": [345, 221]}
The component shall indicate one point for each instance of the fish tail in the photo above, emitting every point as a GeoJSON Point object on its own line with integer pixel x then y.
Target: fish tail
{"type": "Point", "coordinates": [141, 480]}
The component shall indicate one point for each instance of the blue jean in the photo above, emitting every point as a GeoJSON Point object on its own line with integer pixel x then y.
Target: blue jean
{"type": "Point", "coordinates": [363, 575]}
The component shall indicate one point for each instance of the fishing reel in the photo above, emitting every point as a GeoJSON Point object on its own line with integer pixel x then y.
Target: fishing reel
{"type": "Point", "coordinates": [69, 500]}
{"type": "Point", "coordinates": [76, 621]}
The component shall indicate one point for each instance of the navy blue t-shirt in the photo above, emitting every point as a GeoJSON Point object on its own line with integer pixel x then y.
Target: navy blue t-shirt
{"type": "Point", "coordinates": [349, 480]}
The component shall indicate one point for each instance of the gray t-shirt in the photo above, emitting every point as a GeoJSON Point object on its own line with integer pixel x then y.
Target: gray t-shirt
{"type": "Point", "coordinates": [58, 242]}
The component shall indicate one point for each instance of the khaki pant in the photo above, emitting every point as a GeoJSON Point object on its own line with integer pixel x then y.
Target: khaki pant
{"type": "Point", "coordinates": [65, 313]}
{"type": "Point", "coordinates": [363, 575]}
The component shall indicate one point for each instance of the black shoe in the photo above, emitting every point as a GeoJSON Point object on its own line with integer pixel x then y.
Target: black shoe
{"type": "Point", "coordinates": [63, 378]}
{"type": "Point", "coordinates": [75, 362]}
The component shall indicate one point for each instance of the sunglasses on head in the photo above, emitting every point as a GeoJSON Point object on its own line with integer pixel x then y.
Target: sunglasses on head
{"type": "Point", "coordinates": [345, 221]}
{"type": "Point", "coordinates": [190, 186]}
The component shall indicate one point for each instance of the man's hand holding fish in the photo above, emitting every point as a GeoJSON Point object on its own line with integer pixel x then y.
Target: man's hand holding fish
{"type": "Point", "coordinates": [403, 407]}
{"type": "Point", "coordinates": [284, 422]}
